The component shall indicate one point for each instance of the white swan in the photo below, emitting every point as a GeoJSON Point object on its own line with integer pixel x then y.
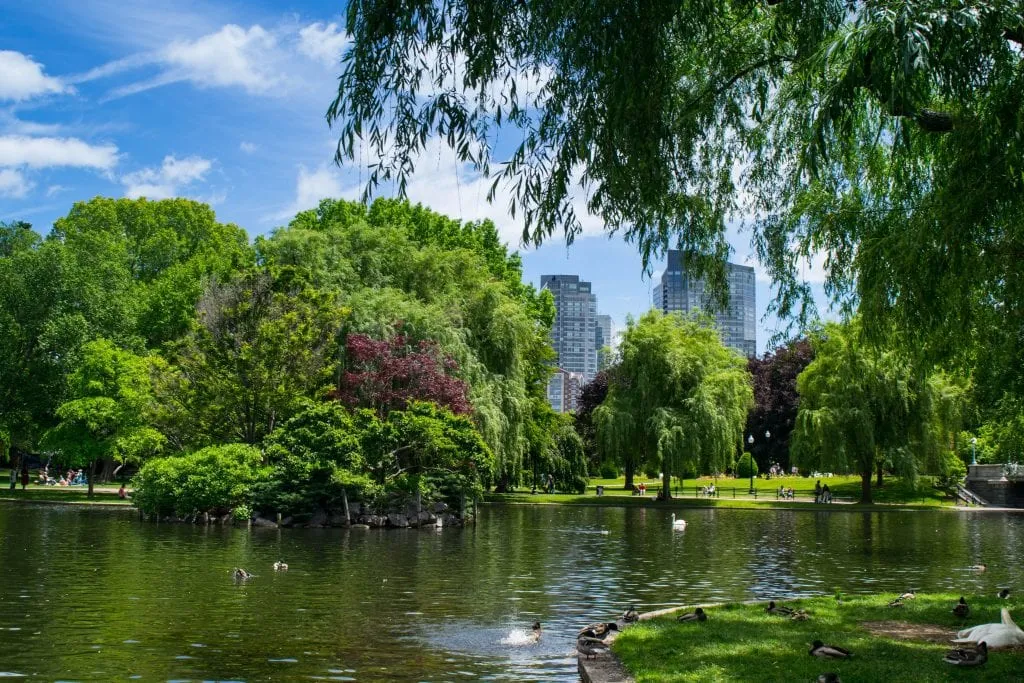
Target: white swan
{"type": "Point", "coordinates": [1002, 635]}
{"type": "Point", "coordinates": [678, 523]}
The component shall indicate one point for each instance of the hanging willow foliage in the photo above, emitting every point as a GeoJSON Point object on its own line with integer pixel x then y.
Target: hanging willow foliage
{"type": "Point", "coordinates": [678, 398]}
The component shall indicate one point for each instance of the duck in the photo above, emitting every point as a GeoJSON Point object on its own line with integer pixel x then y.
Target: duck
{"type": "Point", "coordinates": [599, 630]}
{"type": "Point", "coordinates": [678, 523]}
{"type": "Point", "coordinates": [799, 615]}
{"type": "Point", "coordinates": [1005, 634]}
{"type": "Point", "coordinates": [781, 610]}
{"type": "Point", "coordinates": [590, 647]}
{"type": "Point", "coordinates": [280, 566]}
{"type": "Point", "coordinates": [973, 656]}
{"type": "Point", "coordinates": [820, 649]}
{"type": "Point", "coordinates": [909, 595]}
{"type": "Point", "coordinates": [534, 635]}
{"type": "Point", "coordinates": [979, 567]}
{"type": "Point", "coordinates": [240, 574]}
{"type": "Point", "coordinates": [829, 677]}
{"type": "Point", "coordinates": [1004, 594]}
{"type": "Point", "coordinates": [898, 602]}
{"type": "Point", "coordinates": [962, 609]}
{"type": "Point", "coordinates": [697, 615]}
{"type": "Point", "coordinates": [630, 615]}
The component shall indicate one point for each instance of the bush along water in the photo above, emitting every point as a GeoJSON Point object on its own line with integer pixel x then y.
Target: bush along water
{"type": "Point", "coordinates": [329, 465]}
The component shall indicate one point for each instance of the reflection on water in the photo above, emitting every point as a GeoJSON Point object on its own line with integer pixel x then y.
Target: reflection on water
{"type": "Point", "coordinates": [92, 595]}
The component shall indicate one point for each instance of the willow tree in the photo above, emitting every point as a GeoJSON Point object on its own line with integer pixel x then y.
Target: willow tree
{"type": "Point", "coordinates": [886, 135]}
{"type": "Point", "coordinates": [677, 397]}
{"type": "Point", "coordinates": [863, 406]}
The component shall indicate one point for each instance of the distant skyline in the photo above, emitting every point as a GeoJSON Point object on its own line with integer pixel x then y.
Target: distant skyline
{"type": "Point", "coordinates": [225, 104]}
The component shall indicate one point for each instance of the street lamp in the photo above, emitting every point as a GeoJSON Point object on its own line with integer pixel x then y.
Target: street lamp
{"type": "Point", "coordinates": [750, 441]}
{"type": "Point", "coordinates": [974, 458]}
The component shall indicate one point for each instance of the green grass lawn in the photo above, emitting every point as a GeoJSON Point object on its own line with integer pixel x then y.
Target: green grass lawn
{"type": "Point", "coordinates": [105, 493]}
{"type": "Point", "coordinates": [742, 643]}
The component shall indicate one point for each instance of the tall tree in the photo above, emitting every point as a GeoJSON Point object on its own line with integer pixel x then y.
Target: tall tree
{"type": "Point", "coordinates": [678, 398]}
{"type": "Point", "coordinates": [106, 414]}
{"type": "Point", "coordinates": [776, 401]}
{"type": "Point", "coordinates": [592, 395]}
{"type": "Point", "coordinates": [862, 406]}
{"type": "Point", "coordinates": [885, 134]}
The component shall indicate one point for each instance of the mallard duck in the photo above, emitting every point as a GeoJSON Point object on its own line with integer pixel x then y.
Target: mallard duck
{"type": "Point", "coordinates": [975, 656]}
{"type": "Point", "coordinates": [590, 647]}
{"type": "Point", "coordinates": [962, 609]}
{"type": "Point", "coordinates": [280, 566]}
{"type": "Point", "coordinates": [820, 649]}
{"type": "Point", "coordinates": [1004, 594]}
{"type": "Point", "coordinates": [780, 610]}
{"type": "Point", "coordinates": [799, 615]}
{"type": "Point", "coordinates": [534, 634]}
{"type": "Point", "coordinates": [240, 574]}
{"type": "Point", "coordinates": [599, 630]}
{"type": "Point", "coordinates": [830, 677]}
{"type": "Point", "coordinates": [898, 602]}
{"type": "Point", "coordinates": [996, 636]}
{"type": "Point", "coordinates": [909, 595]}
{"type": "Point", "coordinates": [696, 615]}
{"type": "Point", "coordinates": [678, 523]}
{"type": "Point", "coordinates": [979, 567]}
{"type": "Point", "coordinates": [630, 615]}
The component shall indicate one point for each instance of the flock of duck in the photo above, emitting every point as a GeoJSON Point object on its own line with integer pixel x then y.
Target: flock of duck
{"type": "Point", "coordinates": [972, 649]}
{"type": "Point", "coordinates": [242, 575]}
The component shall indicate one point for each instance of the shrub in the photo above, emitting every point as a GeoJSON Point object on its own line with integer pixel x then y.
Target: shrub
{"type": "Point", "coordinates": [609, 471]}
{"type": "Point", "coordinates": [746, 466]}
{"type": "Point", "coordinates": [951, 471]}
{"type": "Point", "coordinates": [217, 479]}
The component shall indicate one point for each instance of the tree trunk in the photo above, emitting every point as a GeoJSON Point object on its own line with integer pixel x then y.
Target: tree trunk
{"type": "Point", "coordinates": [629, 476]}
{"type": "Point", "coordinates": [865, 487]}
{"type": "Point", "coordinates": [92, 475]}
{"type": "Point", "coordinates": [344, 507]}
{"type": "Point", "coordinates": [666, 483]}
{"type": "Point", "coordinates": [881, 482]}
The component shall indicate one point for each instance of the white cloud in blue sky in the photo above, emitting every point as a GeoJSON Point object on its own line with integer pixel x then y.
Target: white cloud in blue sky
{"type": "Point", "coordinates": [226, 104]}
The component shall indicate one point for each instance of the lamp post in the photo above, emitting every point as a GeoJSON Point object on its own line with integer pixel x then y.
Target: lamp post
{"type": "Point", "coordinates": [974, 457]}
{"type": "Point", "coordinates": [750, 441]}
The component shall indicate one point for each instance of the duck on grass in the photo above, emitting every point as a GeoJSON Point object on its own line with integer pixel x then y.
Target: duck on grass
{"type": "Point", "coordinates": [859, 639]}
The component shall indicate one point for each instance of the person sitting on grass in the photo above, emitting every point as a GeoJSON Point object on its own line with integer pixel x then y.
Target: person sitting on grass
{"type": "Point", "coordinates": [121, 493]}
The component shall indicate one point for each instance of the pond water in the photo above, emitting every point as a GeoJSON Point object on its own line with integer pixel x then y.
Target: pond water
{"type": "Point", "coordinates": [89, 594]}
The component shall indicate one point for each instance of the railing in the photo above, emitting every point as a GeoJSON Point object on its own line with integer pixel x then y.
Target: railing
{"type": "Point", "coordinates": [969, 497]}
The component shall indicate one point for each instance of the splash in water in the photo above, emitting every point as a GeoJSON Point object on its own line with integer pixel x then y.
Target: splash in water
{"type": "Point", "coordinates": [519, 637]}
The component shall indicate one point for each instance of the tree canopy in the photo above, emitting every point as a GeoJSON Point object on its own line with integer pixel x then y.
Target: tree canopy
{"type": "Point", "coordinates": [886, 136]}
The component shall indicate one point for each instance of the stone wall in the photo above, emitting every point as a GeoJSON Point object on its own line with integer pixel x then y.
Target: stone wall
{"type": "Point", "coordinates": [988, 482]}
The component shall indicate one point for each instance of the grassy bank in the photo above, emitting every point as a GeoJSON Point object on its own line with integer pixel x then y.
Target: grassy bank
{"type": "Point", "coordinates": [735, 493]}
{"type": "Point", "coordinates": [105, 494]}
{"type": "Point", "coordinates": [743, 643]}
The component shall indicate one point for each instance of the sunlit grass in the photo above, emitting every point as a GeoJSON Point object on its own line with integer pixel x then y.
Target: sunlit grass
{"type": "Point", "coordinates": [743, 643]}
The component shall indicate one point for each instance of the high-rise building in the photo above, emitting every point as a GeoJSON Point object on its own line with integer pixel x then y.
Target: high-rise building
{"type": "Point", "coordinates": [603, 338]}
{"type": "Point", "coordinates": [573, 334]}
{"type": "Point", "coordinates": [678, 291]}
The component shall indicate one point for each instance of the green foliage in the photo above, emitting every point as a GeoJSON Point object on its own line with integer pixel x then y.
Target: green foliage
{"type": "Point", "coordinates": [952, 471]}
{"type": "Point", "coordinates": [746, 466]}
{"type": "Point", "coordinates": [566, 460]}
{"type": "Point", "coordinates": [105, 417]}
{"type": "Point", "coordinates": [217, 479]}
{"type": "Point", "coordinates": [862, 406]}
{"type": "Point", "coordinates": [678, 398]}
{"type": "Point", "coordinates": [609, 470]}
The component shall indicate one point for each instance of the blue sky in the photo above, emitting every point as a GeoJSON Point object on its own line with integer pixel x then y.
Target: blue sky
{"type": "Point", "coordinates": [225, 104]}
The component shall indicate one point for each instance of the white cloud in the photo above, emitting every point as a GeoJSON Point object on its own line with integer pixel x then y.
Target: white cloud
{"type": "Point", "coordinates": [230, 57]}
{"type": "Point", "coordinates": [43, 152]}
{"type": "Point", "coordinates": [23, 78]}
{"type": "Point", "coordinates": [13, 184]}
{"type": "Point", "coordinates": [324, 182]}
{"type": "Point", "coordinates": [54, 189]}
{"type": "Point", "coordinates": [166, 181]}
{"type": "Point", "coordinates": [323, 42]}
{"type": "Point", "coordinates": [247, 147]}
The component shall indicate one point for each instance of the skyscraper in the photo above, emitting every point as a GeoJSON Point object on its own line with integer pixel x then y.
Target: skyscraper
{"type": "Point", "coordinates": [574, 334]}
{"type": "Point", "coordinates": [603, 338]}
{"type": "Point", "coordinates": [678, 291]}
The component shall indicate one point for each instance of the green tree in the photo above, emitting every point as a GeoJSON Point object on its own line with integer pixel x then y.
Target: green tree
{"type": "Point", "coordinates": [863, 407]}
{"type": "Point", "coordinates": [252, 358]}
{"type": "Point", "coordinates": [106, 414]}
{"type": "Point", "coordinates": [885, 134]}
{"type": "Point", "coordinates": [677, 398]}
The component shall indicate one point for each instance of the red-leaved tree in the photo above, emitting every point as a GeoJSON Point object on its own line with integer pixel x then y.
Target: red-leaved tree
{"type": "Point", "coordinates": [385, 375]}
